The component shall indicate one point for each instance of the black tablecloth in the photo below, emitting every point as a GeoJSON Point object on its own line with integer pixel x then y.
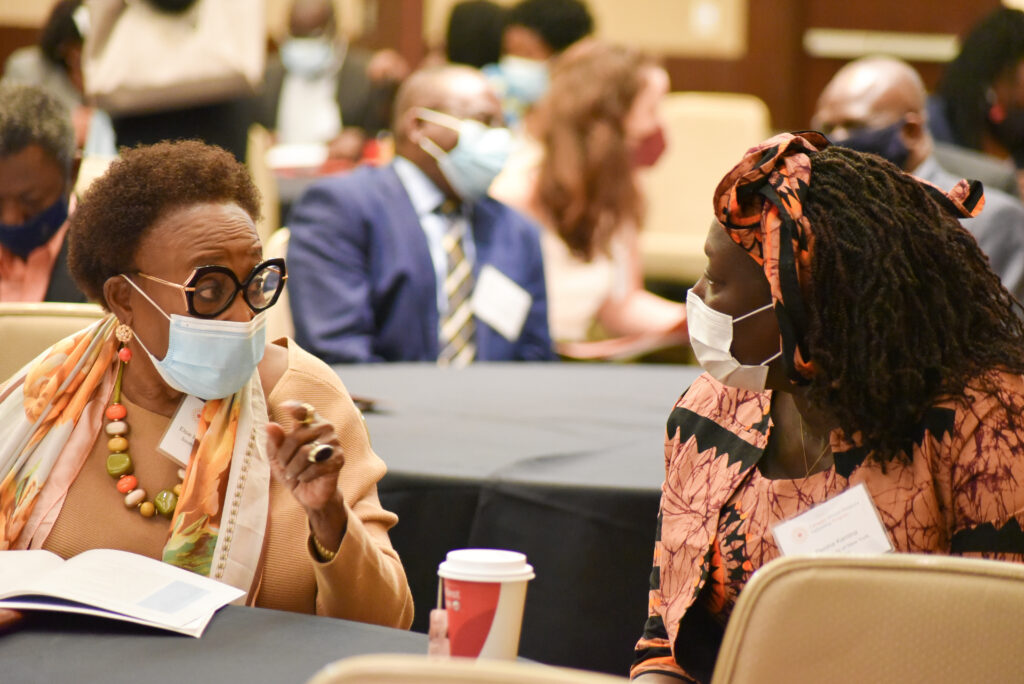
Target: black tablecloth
{"type": "Point", "coordinates": [563, 462]}
{"type": "Point", "coordinates": [251, 645]}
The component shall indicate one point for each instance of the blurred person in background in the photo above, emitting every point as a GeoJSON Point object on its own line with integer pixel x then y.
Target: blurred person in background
{"type": "Point", "coordinates": [979, 102]}
{"type": "Point", "coordinates": [535, 32]}
{"type": "Point", "coordinates": [474, 33]}
{"type": "Point", "coordinates": [55, 64]}
{"type": "Point", "coordinates": [37, 170]}
{"type": "Point", "coordinates": [598, 126]}
{"type": "Point", "coordinates": [320, 88]}
{"type": "Point", "coordinates": [877, 105]}
{"type": "Point", "coordinates": [385, 261]}
{"type": "Point", "coordinates": [223, 120]}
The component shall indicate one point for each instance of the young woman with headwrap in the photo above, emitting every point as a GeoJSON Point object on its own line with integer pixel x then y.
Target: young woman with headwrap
{"type": "Point", "coordinates": [853, 333]}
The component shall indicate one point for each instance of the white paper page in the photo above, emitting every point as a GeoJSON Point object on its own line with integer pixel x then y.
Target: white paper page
{"type": "Point", "coordinates": [18, 568]}
{"type": "Point", "coordinates": [137, 586]}
{"type": "Point", "coordinates": [194, 628]}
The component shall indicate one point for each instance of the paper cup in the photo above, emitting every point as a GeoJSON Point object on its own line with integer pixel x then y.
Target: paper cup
{"type": "Point", "coordinates": [484, 594]}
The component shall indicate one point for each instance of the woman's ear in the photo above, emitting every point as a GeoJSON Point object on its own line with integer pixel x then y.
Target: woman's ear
{"type": "Point", "coordinates": [117, 292]}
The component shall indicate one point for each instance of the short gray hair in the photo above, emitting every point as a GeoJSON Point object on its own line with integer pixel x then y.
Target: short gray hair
{"type": "Point", "coordinates": [31, 116]}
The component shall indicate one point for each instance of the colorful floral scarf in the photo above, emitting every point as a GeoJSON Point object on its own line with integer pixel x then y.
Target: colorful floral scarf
{"type": "Point", "coordinates": [51, 413]}
{"type": "Point", "coordinates": [760, 204]}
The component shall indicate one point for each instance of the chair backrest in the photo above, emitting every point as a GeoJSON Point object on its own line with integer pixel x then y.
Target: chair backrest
{"type": "Point", "coordinates": [421, 669]}
{"type": "Point", "coordinates": [892, 618]}
{"type": "Point", "coordinates": [259, 143]}
{"type": "Point", "coordinates": [279, 316]}
{"type": "Point", "coordinates": [707, 135]}
{"type": "Point", "coordinates": [27, 329]}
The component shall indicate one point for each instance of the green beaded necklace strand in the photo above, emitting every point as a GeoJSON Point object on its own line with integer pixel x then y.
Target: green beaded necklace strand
{"type": "Point", "coordinates": [119, 461]}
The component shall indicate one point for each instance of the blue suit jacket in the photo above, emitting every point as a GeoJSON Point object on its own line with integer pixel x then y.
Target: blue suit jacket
{"type": "Point", "coordinates": [362, 283]}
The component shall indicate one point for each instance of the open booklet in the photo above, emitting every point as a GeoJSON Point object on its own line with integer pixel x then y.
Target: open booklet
{"type": "Point", "coordinates": [114, 584]}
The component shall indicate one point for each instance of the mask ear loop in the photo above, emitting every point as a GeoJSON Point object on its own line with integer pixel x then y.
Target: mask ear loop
{"type": "Point", "coordinates": [439, 118]}
{"type": "Point", "coordinates": [770, 305]}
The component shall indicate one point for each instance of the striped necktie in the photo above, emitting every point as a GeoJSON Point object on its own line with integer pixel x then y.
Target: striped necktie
{"type": "Point", "coordinates": [458, 328]}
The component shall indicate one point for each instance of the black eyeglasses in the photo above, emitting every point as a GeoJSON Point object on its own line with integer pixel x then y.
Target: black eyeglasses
{"type": "Point", "coordinates": [210, 290]}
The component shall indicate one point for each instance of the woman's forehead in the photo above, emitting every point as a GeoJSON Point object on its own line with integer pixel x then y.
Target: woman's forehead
{"type": "Point", "coordinates": [200, 234]}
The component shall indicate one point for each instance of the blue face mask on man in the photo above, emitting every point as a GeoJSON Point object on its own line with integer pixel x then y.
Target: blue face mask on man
{"type": "Point", "coordinates": [36, 231]}
{"type": "Point", "coordinates": [477, 158]}
{"type": "Point", "coordinates": [207, 358]}
{"type": "Point", "coordinates": [885, 142]}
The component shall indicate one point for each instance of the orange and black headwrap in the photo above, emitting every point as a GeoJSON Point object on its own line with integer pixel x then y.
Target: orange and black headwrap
{"type": "Point", "coordinates": [760, 204]}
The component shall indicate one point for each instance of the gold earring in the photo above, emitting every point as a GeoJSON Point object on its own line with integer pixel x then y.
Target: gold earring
{"type": "Point", "coordinates": [123, 333]}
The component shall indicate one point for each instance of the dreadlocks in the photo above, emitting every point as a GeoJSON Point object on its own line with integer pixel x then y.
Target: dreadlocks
{"type": "Point", "coordinates": [905, 310]}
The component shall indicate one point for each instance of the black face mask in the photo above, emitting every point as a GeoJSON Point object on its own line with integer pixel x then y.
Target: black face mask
{"type": "Point", "coordinates": [35, 232]}
{"type": "Point", "coordinates": [885, 142]}
{"type": "Point", "coordinates": [1010, 133]}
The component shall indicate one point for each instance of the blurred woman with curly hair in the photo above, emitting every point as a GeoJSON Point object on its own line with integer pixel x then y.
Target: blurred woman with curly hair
{"type": "Point", "coordinates": [598, 125]}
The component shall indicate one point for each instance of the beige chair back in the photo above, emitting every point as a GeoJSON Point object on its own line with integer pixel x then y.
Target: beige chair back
{"type": "Point", "coordinates": [279, 316]}
{"type": "Point", "coordinates": [892, 618]}
{"type": "Point", "coordinates": [707, 135]}
{"type": "Point", "coordinates": [27, 329]}
{"type": "Point", "coordinates": [259, 143]}
{"type": "Point", "coordinates": [416, 669]}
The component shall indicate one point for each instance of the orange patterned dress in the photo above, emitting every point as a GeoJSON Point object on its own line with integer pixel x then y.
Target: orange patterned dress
{"type": "Point", "coordinates": [961, 493]}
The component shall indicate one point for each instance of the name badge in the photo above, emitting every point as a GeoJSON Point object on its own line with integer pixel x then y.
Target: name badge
{"type": "Point", "coordinates": [180, 436]}
{"type": "Point", "coordinates": [500, 302]}
{"type": "Point", "coordinates": [847, 523]}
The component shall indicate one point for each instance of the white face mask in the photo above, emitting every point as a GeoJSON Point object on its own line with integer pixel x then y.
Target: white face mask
{"type": "Point", "coordinates": [711, 339]}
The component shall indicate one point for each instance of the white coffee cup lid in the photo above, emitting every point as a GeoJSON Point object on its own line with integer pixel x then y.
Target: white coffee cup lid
{"type": "Point", "coordinates": [485, 565]}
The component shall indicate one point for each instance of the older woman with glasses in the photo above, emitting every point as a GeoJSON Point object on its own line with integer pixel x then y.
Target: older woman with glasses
{"type": "Point", "coordinates": [171, 429]}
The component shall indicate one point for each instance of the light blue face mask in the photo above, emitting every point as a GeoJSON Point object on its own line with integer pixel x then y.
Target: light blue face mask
{"type": "Point", "coordinates": [477, 158]}
{"type": "Point", "coordinates": [307, 56]}
{"type": "Point", "coordinates": [206, 358]}
{"type": "Point", "coordinates": [525, 80]}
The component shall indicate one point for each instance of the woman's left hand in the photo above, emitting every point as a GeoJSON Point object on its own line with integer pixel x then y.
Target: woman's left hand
{"type": "Point", "coordinates": [314, 484]}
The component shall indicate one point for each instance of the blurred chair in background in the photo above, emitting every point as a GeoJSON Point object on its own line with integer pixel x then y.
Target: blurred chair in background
{"type": "Point", "coordinates": [260, 142]}
{"type": "Point", "coordinates": [279, 316]}
{"type": "Point", "coordinates": [707, 133]}
{"type": "Point", "coordinates": [28, 329]}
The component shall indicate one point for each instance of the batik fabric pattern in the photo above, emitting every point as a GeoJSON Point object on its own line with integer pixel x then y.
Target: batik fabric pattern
{"type": "Point", "coordinates": [51, 413]}
{"type": "Point", "coordinates": [962, 493]}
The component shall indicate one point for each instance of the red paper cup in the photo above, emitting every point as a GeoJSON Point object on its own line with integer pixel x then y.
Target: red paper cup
{"type": "Point", "coordinates": [484, 594]}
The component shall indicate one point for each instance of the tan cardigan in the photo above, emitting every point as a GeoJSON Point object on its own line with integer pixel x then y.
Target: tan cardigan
{"type": "Point", "coordinates": [364, 582]}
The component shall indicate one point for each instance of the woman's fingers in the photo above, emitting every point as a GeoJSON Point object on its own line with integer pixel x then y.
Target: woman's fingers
{"type": "Point", "coordinates": [311, 434]}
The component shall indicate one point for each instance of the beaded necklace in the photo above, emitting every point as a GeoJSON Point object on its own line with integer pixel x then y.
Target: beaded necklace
{"type": "Point", "coordinates": [119, 461]}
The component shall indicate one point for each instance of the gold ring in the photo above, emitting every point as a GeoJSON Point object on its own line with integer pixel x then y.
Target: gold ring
{"type": "Point", "coordinates": [310, 414]}
{"type": "Point", "coordinates": [318, 453]}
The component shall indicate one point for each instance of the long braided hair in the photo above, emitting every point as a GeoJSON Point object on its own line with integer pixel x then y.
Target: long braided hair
{"type": "Point", "coordinates": [904, 310]}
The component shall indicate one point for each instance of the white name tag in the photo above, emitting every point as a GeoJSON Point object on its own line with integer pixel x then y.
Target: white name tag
{"type": "Point", "coordinates": [180, 436]}
{"type": "Point", "coordinates": [847, 523]}
{"type": "Point", "coordinates": [500, 302]}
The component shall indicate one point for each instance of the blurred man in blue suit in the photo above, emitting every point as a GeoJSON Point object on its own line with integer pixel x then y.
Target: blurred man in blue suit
{"type": "Point", "coordinates": [412, 261]}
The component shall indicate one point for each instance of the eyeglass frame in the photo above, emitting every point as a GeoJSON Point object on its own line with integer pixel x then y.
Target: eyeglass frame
{"type": "Point", "coordinates": [188, 289]}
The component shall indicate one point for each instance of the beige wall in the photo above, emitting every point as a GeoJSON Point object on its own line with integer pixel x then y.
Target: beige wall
{"type": "Point", "coordinates": [704, 28]}
{"type": "Point", "coordinates": [24, 13]}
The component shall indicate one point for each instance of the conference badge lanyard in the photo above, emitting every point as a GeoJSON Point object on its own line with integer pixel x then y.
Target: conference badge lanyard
{"type": "Point", "coordinates": [845, 524]}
